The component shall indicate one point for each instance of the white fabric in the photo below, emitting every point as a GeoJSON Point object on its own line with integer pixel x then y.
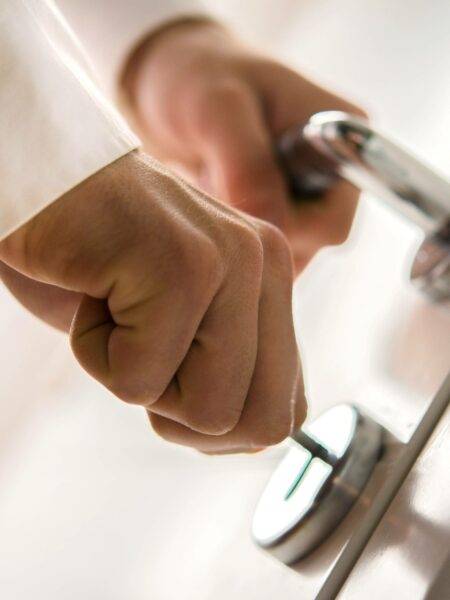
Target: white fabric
{"type": "Point", "coordinates": [111, 29]}
{"type": "Point", "coordinates": [56, 128]}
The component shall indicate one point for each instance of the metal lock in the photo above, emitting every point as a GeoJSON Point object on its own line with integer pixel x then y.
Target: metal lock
{"type": "Point", "coordinates": [317, 482]}
{"type": "Point", "coordinates": [331, 459]}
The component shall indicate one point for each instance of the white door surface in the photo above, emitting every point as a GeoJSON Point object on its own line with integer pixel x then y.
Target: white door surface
{"type": "Point", "coordinates": [410, 548]}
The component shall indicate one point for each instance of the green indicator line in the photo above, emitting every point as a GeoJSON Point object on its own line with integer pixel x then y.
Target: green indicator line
{"type": "Point", "coordinates": [297, 480]}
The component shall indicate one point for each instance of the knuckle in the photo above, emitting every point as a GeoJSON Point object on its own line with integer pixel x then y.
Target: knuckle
{"type": "Point", "coordinates": [199, 267]}
{"type": "Point", "coordinates": [204, 271]}
{"type": "Point", "coordinates": [191, 255]}
{"type": "Point", "coordinates": [271, 434]}
{"type": "Point", "coordinates": [130, 393]}
{"type": "Point", "coordinates": [276, 247]}
{"type": "Point", "coordinates": [160, 426]}
{"type": "Point", "coordinates": [131, 379]}
{"type": "Point", "coordinates": [218, 421]}
{"type": "Point", "coordinates": [272, 238]}
{"type": "Point", "coordinates": [248, 247]}
{"type": "Point", "coordinates": [135, 388]}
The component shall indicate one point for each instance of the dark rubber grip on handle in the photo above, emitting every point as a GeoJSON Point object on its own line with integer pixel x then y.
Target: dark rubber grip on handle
{"type": "Point", "coordinates": [309, 173]}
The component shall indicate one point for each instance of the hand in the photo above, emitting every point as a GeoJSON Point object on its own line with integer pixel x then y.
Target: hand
{"type": "Point", "coordinates": [182, 304]}
{"type": "Point", "coordinates": [202, 100]}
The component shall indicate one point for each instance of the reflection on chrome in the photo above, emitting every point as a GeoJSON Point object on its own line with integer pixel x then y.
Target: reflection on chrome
{"type": "Point", "coordinates": [336, 144]}
{"type": "Point", "coordinates": [336, 428]}
{"type": "Point", "coordinates": [278, 511]}
{"type": "Point", "coordinates": [317, 482]}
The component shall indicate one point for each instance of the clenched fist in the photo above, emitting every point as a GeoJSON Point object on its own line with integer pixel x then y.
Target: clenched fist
{"type": "Point", "coordinates": [174, 302]}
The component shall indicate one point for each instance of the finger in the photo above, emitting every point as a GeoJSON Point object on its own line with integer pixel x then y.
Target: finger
{"type": "Point", "coordinates": [300, 406]}
{"type": "Point", "coordinates": [237, 150]}
{"type": "Point", "coordinates": [135, 352]}
{"type": "Point", "coordinates": [314, 225]}
{"type": "Point", "coordinates": [211, 384]}
{"type": "Point", "coordinates": [275, 400]}
{"type": "Point", "coordinates": [54, 305]}
{"type": "Point", "coordinates": [291, 98]}
{"type": "Point", "coordinates": [236, 451]}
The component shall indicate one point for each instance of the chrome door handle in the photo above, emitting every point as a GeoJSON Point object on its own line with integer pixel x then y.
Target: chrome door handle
{"type": "Point", "coordinates": [317, 482]}
{"type": "Point", "coordinates": [335, 144]}
{"type": "Point", "coordinates": [331, 459]}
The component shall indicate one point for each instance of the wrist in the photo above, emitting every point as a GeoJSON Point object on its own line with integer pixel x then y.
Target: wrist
{"type": "Point", "coordinates": [66, 228]}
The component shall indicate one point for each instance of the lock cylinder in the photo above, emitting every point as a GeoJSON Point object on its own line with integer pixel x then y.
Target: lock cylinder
{"type": "Point", "coordinates": [317, 482]}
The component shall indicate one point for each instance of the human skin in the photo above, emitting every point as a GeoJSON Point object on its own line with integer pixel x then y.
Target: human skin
{"type": "Point", "coordinates": [206, 102]}
{"type": "Point", "coordinates": [202, 100]}
{"type": "Point", "coordinates": [173, 301]}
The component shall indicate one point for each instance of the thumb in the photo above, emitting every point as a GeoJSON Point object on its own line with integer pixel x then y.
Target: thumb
{"type": "Point", "coordinates": [89, 336]}
{"type": "Point", "coordinates": [237, 150]}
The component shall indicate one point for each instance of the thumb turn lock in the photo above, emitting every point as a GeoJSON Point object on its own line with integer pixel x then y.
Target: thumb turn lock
{"type": "Point", "coordinates": [317, 482]}
{"type": "Point", "coordinates": [331, 459]}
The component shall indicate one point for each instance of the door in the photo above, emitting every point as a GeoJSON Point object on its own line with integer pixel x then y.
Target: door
{"type": "Point", "coordinates": [92, 505]}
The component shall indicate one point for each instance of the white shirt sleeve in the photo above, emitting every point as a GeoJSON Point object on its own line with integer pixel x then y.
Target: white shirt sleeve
{"type": "Point", "coordinates": [56, 129]}
{"type": "Point", "coordinates": [111, 29]}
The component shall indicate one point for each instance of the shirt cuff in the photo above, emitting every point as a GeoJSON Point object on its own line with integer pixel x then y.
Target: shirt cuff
{"type": "Point", "coordinates": [56, 128]}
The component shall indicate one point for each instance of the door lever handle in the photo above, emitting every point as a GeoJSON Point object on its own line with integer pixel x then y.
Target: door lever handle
{"type": "Point", "coordinates": [333, 145]}
{"type": "Point", "coordinates": [332, 458]}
